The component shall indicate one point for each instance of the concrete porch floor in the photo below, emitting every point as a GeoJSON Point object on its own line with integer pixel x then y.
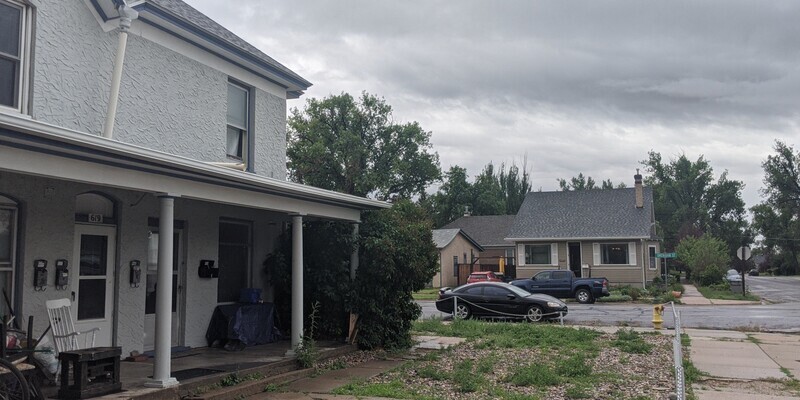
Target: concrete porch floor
{"type": "Point", "coordinates": [268, 359]}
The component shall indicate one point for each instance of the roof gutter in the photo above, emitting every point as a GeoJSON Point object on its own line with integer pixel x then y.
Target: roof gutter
{"type": "Point", "coordinates": [126, 17]}
{"type": "Point", "coordinates": [552, 239]}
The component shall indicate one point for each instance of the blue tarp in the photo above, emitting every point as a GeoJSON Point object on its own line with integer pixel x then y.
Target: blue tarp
{"type": "Point", "coordinates": [251, 324]}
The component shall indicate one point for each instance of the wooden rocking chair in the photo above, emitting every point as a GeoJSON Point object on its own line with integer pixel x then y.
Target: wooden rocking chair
{"type": "Point", "coordinates": [65, 337]}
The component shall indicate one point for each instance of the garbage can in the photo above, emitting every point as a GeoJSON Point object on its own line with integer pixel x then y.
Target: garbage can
{"type": "Point", "coordinates": [736, 286]}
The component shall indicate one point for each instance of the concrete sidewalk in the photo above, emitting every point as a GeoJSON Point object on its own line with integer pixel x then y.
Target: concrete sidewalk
{"type": "Point", "coordinates": [744, 365]}
{"type": "Point", "coordinates": [692, 296]}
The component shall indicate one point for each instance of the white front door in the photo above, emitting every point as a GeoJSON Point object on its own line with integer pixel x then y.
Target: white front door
{"type": "Point", "coordinates": [151, 281]}
{"type": "Point", "coordinates": [93, 280]}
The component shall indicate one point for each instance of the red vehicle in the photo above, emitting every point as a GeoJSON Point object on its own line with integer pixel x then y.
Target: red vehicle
{"type": "Point", "coordinates": [483, 276]}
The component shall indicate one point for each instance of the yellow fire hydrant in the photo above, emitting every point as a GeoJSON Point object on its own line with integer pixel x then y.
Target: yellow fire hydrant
{"type": "Point", "coordinates": [658, 311]}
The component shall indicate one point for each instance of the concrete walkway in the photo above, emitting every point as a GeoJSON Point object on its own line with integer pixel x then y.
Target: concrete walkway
{"type": "Point", "coordinates": [744, 365]}
{"type": "Point", "coordinates": [692, 296]}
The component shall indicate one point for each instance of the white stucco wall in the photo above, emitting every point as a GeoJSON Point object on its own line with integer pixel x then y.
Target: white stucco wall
{"type": "Point", "coordinates": [168, 101]}
{"type": "Point", "coordinates": [46, 231]}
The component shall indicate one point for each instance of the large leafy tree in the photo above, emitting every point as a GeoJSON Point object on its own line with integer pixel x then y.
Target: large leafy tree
{"type": "Point", "coordinates": [705, 257]}
{"type": "Point", "coordinates": [494, 192]}
{"type": "Point", "coordinates": [777, 219]}
{"type": "Point", "coordinates": [354, 146]}
{"type": "Point", "coordinates": [582, 182]}
{"type": "Point", "coordinates": [688, 202]}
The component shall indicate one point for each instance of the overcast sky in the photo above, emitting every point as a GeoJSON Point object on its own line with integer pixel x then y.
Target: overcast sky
{"type": "Point", "coordinates": [587, 86]}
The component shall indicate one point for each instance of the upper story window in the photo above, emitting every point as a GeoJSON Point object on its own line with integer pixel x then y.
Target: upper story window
{"type": "Point", "coordinates": [13, 50]}
{"type": "Point", "coordinates": [238, 121]}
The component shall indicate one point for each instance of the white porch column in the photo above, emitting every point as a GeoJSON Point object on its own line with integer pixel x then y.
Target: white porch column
{"type": "Point", "coordinates": [354, 254]}
{"type": "Point", "coordinates": [163, 356]}
{"type": "Point", "coordinates": [297, 282]}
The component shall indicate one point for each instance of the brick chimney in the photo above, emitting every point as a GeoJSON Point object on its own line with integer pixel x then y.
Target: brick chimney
{"type": "Point", "coordinates": [637, 183]}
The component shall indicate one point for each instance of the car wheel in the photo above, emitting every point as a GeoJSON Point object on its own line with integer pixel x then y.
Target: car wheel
{"type": "Point", "coordinates": [463, 311]}
{"type": "Point", "coordinates": [534, 314]}
{"type": "Point", "coordinates": [584, 296]}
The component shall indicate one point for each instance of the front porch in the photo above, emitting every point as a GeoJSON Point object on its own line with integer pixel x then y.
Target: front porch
{"type": "Point", "coordinates": [201, 370]}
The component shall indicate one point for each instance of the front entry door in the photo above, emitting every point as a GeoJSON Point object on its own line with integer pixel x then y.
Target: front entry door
{"type": "Point", "coordinates": [93, 280]}
{"type": "Point", "coordinates": [575, 258]}
{"type": "Point", "coordinates": [151, 283]}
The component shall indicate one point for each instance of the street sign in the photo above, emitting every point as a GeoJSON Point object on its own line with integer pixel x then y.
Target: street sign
{"type": "Point", "coordinates": [743, 253]}
{"type": "Point", "coordinates": [667, 255]}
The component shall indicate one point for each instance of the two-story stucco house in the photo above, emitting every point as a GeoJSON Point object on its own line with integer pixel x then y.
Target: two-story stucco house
{"type": "Point", "coordinates": [144, 137]}
{"type": "Point", "coordinates": [608, 233]}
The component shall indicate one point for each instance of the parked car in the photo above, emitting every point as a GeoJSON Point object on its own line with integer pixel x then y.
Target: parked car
{"type": "Point", "coordinates": [499, 300]}
{"type": "Point", "coordinates": [753, 272]}
{"type": "Point", "coordinates": [563, 284]}
{"type": "Point", "coordinates": [503, 277]}
{"type": "Point", "coordinates": [483, 276]}
{"type": "Point", "coordinates": [732, 276]}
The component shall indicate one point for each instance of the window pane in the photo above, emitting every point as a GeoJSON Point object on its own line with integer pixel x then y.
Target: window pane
{"type": "Point", "coordinates": [9, 29]}
{"type": "Point", "coordinates": [616, 253]}
{"type": "Point", "coordinates": [237, 106]}
{"type": "Point", "coordinates": [495, 292]}
{"type": "Point", "coordinates": [8, 82]}
{"type": "Point", "coordinates": [5, 283]}
{"type": "Point", "coordinates": [93, 255]}
{"type": "Point", "coordinates": [233, 144]}
{"type": "Point", "coordinates": [5, 235]}
{"type": "Point", "coordinates": [537, 254]}
{"type": "Point", "coordinates": [91, 299]}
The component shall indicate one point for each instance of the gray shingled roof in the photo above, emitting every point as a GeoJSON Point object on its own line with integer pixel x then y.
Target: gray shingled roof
{"type": "Point", "coordinates": [186, 12]}
{"type": "Point", "coordinates": [443, 237]}
{"type": "Point", "coordinates": [584, 214]}
{"type": "Point", "coordinates": [487, 230]}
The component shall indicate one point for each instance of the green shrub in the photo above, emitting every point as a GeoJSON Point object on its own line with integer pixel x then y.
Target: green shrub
{"type": "Point", "coordinates": [677, 287]}
{"type": "Point", "coordinates": [710, 275]}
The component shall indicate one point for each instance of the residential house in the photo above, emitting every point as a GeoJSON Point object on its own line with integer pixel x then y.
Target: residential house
{"type": "Point", "coordinates": [607, 233]}
{"type": "Point", "coordinates": [490, 231]}
{"type": "Point", "coordinates": [144, 137]}
{"type": "Point", "coordinates": [454, 245]}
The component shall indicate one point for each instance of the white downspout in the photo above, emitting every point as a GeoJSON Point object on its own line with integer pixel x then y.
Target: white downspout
{"type": "Point", "coordinates": [126, 16]}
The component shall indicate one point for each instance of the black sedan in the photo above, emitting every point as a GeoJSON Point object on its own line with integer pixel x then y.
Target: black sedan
{"type": "Point", "coordinates": [498, 300]}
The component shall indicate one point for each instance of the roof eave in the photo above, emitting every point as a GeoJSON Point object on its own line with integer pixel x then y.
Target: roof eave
{"type": "Point", "coordinates": [24, 124]}
{"type": "Point", "coordinates": [540, 239]}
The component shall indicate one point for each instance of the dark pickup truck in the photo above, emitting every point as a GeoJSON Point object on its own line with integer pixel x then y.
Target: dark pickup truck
{"type": "Point", "coordinates": [563, 284]}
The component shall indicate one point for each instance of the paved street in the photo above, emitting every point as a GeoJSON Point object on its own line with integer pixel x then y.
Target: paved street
{"type": "Point", "coordinates": [777, 289]}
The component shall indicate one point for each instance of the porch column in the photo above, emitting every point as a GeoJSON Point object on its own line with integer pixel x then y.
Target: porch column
{"type": "Point", "coordinates": [297, 282]}
{"type": "Point", "coordinates": [161, 366]}
{"type": "Point", "coordinates": [354, 254]}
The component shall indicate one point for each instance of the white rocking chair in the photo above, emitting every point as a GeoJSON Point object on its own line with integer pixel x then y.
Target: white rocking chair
{"type": "Point", "coordinates": [65, 337]}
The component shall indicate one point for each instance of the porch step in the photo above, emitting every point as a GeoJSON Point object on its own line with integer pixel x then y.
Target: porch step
{"type": "Point", "coordinates": [278, 372]}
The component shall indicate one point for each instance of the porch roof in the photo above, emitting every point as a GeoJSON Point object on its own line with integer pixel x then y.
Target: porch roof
{"type": "Point", "coordinates": [28, 146]}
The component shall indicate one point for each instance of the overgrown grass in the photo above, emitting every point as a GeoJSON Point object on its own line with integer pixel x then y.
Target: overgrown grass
{"type": "Point", "coordinates": [394, 389]}
{"type": "Point", "coordinates": [720, 292]}
{"type": "Point", "coordinates": [630, 341]}
{"type": "Point", "coordinates": [511, 335]}
{"type": "Point", "coordinates": [426, 294]}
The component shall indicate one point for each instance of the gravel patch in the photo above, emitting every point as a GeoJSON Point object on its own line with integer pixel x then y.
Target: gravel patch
{"type": "Point", "coordinates": [614, 374]}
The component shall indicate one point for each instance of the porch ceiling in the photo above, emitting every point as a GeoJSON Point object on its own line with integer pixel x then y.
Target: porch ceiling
{"type": "Point", "coordinates": [32, 147]}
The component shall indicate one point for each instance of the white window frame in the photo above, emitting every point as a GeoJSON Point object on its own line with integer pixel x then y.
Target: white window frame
{"type": "Point", "coordinates": [552, 253]}
{"type": "Point", "coordinates": [630, 250]}
{"type": "Point", "coordinates": [23, 60]}
{"type": "Point", "coordinates": [653, 261]}
{"type": "Point", "coordinates": [244, 131]}
{"type": "Point", "coordinates": [9, 266]}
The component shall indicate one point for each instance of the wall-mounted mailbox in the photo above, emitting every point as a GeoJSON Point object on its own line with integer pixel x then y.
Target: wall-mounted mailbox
{"type": "Point", "coordinates": [207, 269]}
{"type": "Point", "coordinates": [40, 275]}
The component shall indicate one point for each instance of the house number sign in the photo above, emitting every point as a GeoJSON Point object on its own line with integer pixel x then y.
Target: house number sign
{"type": "Point", "coordinates": [96, 218]}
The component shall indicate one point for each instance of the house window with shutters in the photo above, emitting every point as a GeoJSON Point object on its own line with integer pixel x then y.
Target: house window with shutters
{"type": "Point", "coordinates": [615, 253]}
{"type": "Point", "coordinates": [541, 254]}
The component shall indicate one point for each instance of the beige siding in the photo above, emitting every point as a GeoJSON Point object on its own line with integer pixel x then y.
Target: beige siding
{"type": "Point", "coordinates": [616, 274]}
{"type": "Point", "coordinates": [458, 247]}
